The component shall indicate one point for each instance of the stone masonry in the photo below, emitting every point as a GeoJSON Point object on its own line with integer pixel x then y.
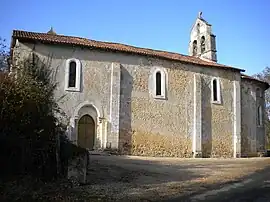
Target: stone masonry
{"type": "Point", "coordinates": [117, 90]}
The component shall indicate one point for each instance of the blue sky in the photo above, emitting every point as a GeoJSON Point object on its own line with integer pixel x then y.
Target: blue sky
{"type": "Point", "coordinates": [242, 27]}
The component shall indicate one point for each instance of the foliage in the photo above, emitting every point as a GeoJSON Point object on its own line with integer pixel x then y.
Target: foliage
{"type": "Point", "coordinates": [3, 55]}
{"type": "Point", "coordinates": [30, 127]}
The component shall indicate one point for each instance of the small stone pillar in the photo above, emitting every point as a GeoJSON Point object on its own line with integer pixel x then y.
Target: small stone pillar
{"type": "Point", "coordinates": [77, 168]}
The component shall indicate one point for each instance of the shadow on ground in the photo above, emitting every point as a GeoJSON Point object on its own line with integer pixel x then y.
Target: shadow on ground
{"type": "Point", "coordinates": [143, 179]}
{"type": "Point", "coordinates": [123, 178]}
{"type": "Point", "coordinates": [252, 191]}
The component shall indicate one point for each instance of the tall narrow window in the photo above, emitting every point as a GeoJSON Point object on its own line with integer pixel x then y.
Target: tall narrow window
{"type": "Point", "coordinates": [194, 46]}
{"type": "Point", "coordinates": [202, 44]}
{"type": "Point", "coordinates": [72, 74]}
{"type": "Point", "coordinates": [216, 98]}
{"type": "Point", "coordinates": [158, 83]}
{"type": "Point", "coordinates": [259, 116]}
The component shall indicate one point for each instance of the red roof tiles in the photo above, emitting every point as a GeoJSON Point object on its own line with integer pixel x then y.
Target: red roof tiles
{"type": "Point", "coordinates": [70, 40]}
{"type": "Point", "coordinates": [243, 76]}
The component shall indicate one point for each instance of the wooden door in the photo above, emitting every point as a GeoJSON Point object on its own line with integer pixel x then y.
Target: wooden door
{"type": "Point", "coordinates": [86, 132]}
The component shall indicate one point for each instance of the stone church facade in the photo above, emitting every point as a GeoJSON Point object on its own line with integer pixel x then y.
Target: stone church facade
{"type": "Point", "coordinates": [149, 102]}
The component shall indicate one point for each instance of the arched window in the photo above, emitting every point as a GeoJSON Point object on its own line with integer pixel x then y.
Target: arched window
{"type": "Point", "coordinates": [216, 98]}
{"type": "Point", "coordinates": [158, 83]}
{"type": "Point", "coordinates": [194, 47]}
{"type": "Point", "coordinates": [202, 44]}
{"type": "Point", "coordinates": [259, 116]}
{"type": "Point", "coordinates": [73, 75]}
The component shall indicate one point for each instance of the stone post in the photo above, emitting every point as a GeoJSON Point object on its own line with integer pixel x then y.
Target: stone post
{"type": "Point", "coordinates": [197, 130]}
{"type": "Point", "coordinates": [113, 137]}
{"type": "Point", "coordinates": [236, 119]}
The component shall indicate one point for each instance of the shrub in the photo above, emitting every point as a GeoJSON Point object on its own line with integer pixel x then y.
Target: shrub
{"type": "Point", "coordinates": [29, 124]}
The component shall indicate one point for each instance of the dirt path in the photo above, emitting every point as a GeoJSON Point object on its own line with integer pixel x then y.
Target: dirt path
{"type": "Point", "coordinates": [120, 178]}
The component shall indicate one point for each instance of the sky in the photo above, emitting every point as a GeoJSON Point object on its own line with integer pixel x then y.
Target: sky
{"type": "Point", "coordinates": [242, 27]}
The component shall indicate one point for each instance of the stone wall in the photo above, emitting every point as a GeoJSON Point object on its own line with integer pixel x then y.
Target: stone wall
{"type": "Point", "coordinates": [144, 125]}
{"type": "Point", "coordinates": [253, 134]}
{"type": "Point", "coordinates": [159, 127]}
{"type": "Point", "coordinates": [151, 126]}
{"type": "Point", "coordinates": [217, 139]}
{"type": "Point", "coordinates": [95, 94]}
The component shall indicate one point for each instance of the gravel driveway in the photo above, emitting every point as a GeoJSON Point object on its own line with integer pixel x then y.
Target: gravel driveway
{"type": "Point", "coordinates": [126, 178]}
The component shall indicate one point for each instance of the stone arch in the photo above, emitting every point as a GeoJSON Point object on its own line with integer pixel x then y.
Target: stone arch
{"type": "Point", "coordinates": [194, 48]}
{"type": "Point", "coordinates": [88, 109]}
{"type": "Point", "coordinates": [202, 44]}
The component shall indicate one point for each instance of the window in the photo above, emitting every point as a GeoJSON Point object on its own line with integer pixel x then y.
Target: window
{"type": "Point", "coordinates": [216, 98]}
{"type": "Point", "coordinates": [158, 83]}
{"type": "Point", "coordinates": [259, 116]}
{"type": "Point", "coordinates": [73, 75]}
{"type": "Point", "coordinates": [202, 44]}
{"type": "Point", "coordinates": [194, 47]}
{"type": "Point", "coordinates": [215, 90]}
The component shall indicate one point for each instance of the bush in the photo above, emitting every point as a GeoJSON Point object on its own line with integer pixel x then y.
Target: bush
{"type": "Point", "coordinates": [29, 124]}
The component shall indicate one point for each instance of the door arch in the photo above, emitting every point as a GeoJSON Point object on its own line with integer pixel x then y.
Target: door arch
{"type": "Point", "coordinates": [86, 132]}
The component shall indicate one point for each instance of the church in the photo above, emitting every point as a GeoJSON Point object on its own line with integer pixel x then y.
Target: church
{"type": "Point", "coordinates": [140, 101]}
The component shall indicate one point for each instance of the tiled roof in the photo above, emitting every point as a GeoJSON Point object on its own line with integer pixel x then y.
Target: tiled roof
{"type": "Point", "coordinates": [243, 76]}
{"type": "Point", "coordinates": [70, 40]}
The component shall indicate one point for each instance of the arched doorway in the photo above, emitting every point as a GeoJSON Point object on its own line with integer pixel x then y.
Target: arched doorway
{"type": "Point", "coordinates": [86, 132]}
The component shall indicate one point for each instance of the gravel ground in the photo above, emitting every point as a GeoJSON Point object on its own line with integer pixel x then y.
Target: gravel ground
{"type": "Point", "coordinates": [123, 178]}
{"type": "Point", "coordinates": [126, 178]}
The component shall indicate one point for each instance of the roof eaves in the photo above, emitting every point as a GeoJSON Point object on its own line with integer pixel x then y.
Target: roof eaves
{"type": "Point", "coordinates": [23, 35]}
{"type": "Point", "coordinates": [243, 76]}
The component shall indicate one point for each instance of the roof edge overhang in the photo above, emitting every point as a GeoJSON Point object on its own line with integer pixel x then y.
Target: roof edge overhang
{"type": "Point", "coordinates": [33, 40]}
{"type": "Point", "coordinates": [250, 78]}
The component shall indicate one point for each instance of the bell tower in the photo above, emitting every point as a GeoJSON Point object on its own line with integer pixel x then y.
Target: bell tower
{"type": "Point", "coordinates": [202, 41]}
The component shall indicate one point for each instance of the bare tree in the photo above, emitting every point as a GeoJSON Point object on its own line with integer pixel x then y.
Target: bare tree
{"type": "Point", "coordinates": [3, 55]}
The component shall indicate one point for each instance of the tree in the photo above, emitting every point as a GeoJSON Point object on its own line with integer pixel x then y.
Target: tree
{"type": "Point", "coordinates": [265, 76]}
{"type": "Point", "coordinates": [28, 135]}
{"type": "Point", "coordinates": [3, 55]}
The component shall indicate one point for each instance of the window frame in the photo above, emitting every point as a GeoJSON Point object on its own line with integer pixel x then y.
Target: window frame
{"type": "Point", "coordinates": [158, 92]}
{"type": "Point", "coordinates": [163, 84]}
{"type": "Point", "coordinates": [77, 87]}
{"type": "Point", "coordinates": [218, 101]}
